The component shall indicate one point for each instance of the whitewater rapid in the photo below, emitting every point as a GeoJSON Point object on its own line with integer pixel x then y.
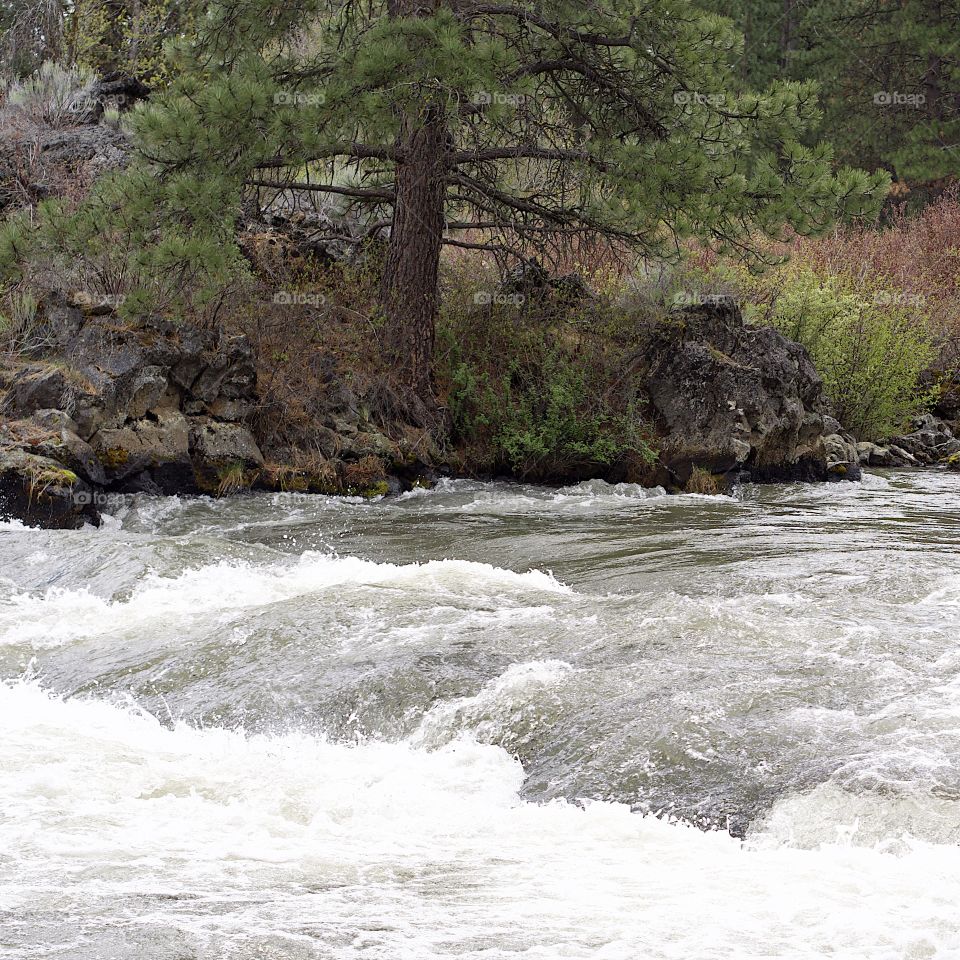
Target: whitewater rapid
{"type": "Point", "coordinates": [486, 722]}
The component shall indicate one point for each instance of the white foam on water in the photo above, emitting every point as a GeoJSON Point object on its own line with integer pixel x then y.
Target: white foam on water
{"type": "Point", "coordinates": [508, 709]}
{"type": "Point", "coordinates": [889, 819]}
{"type": "Point", "coordinates": [60, 616]}
{"type": "Point", "coordinates": [476, 496]}
{"type": "Point", "coordinates": [293, 846]}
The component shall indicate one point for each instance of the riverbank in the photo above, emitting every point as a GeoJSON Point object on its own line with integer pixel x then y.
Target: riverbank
{"type": "Point", "coordinates": [694, 400]}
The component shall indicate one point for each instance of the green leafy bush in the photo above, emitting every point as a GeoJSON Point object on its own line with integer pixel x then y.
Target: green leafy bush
{"type": "Point", "coordinates": [537, 399]}
{"type": "Point", "coordinates": [869, 340]}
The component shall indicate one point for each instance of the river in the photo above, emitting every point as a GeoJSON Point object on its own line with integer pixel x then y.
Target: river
{"type": "Point", "coordinates": [486, 721]}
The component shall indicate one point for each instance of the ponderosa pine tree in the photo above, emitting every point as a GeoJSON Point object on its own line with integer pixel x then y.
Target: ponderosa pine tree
{"type": "Point", "coordinates": [888, 74]}
{"type": "Point", "coordinates": [497, 124]}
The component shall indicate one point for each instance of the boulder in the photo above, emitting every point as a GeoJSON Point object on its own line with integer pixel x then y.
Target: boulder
{"type": "Point", "coordinates": [529, 282]}
{"type": "Point", "coordinates": [146, 392]}
{"type": "Point", "coordinates": [225, 456]}
{"type": "Point", "coordinates": [843, 459]}
{"type": "Point", "coordinates": [873, 455]}
{"type": "Point", "coordinates": [947, 449]}
{"type": "Point", "coordinates": [726, 397]}
{"type": "Point", "coordinates": [36, 387]}
{"type": "Point", "coordinates": [844, 470]}
{"type": "Point", "coordinates": [930, 440]}
{"type": "Point", "coordinates": [370, 443]}
{"type": "Point", "coordinates": [158, 446]}
{"type": "Point", "coordinates": [877, 455]}
{"type": "Point", "coordinates": [105, 148]}
{"type": "Point", "coordinates": [54, 419]}
{"type": "Point", "coordinates": [840, 450]}
{"type": "Point", "coordinates": [901, 457]}
{"type": "Point", "coordinates": [75, 454]}
{"type": "Point", "coordinates": [41, 492]}
{"type": "Point", "coordinates": [121, 90]}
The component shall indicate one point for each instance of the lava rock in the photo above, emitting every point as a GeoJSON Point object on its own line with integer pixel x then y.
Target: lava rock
{"type": "Point", "coordinates": [225, 456]}
{"type": "Point", "coordinates": [727, 397]}
{"type": "Point", "coordinates": [41, 492]}
{"type": "Point", "coordinates": [159, 446]}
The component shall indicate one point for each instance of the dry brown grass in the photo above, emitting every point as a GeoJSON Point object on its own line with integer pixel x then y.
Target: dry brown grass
{"type": "Point", "coordinates": [702, 481]}
{"type": "Point", "coordinates": [315, 336]}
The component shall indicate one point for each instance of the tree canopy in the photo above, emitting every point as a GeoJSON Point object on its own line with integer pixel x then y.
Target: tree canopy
{"type": "Point", "coordinates": [508, 126]}
{"type": "Point", "coordinates": [887, 72]}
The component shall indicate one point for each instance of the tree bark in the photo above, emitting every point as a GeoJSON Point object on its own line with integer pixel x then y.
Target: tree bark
{"type": "Point", "coordinates": [408, 292]}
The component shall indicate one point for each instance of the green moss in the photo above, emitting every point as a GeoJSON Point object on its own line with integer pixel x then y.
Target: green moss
{"type": "Point", "coordinates": [56, 477]}
{"type": "Point", "coordinates": [41, 478]}
{"type": "Point", "coordinates": [114, 457]}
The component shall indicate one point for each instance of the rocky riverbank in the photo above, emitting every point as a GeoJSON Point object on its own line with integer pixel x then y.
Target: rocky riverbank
{"type": "Point", "coordinates": [157, 407]}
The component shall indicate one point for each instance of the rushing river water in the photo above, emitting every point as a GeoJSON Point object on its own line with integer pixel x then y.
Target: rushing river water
{"type": "Point", "coordinates": [487, 722]}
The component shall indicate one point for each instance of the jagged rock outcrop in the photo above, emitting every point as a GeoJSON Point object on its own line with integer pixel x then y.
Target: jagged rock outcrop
{"type": "Point", "coordinates": [104, 147]}
{"type": "Point", "coordinates": [156, 408]}
{"type": "Point", "coordinates": [38, 162]}
{"type": "Point", "coordinates": [930, 441]}
{"type": "Point", "coordinates": [729, 399]}
{"type": "Point", "coordinates": [164, 408]}
{"type": "Point", "coordinates": [120, 90]}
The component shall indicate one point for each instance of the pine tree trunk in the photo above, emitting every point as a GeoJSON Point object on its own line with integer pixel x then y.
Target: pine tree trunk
{"type": "Point", "coordinates": [408, 292]}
